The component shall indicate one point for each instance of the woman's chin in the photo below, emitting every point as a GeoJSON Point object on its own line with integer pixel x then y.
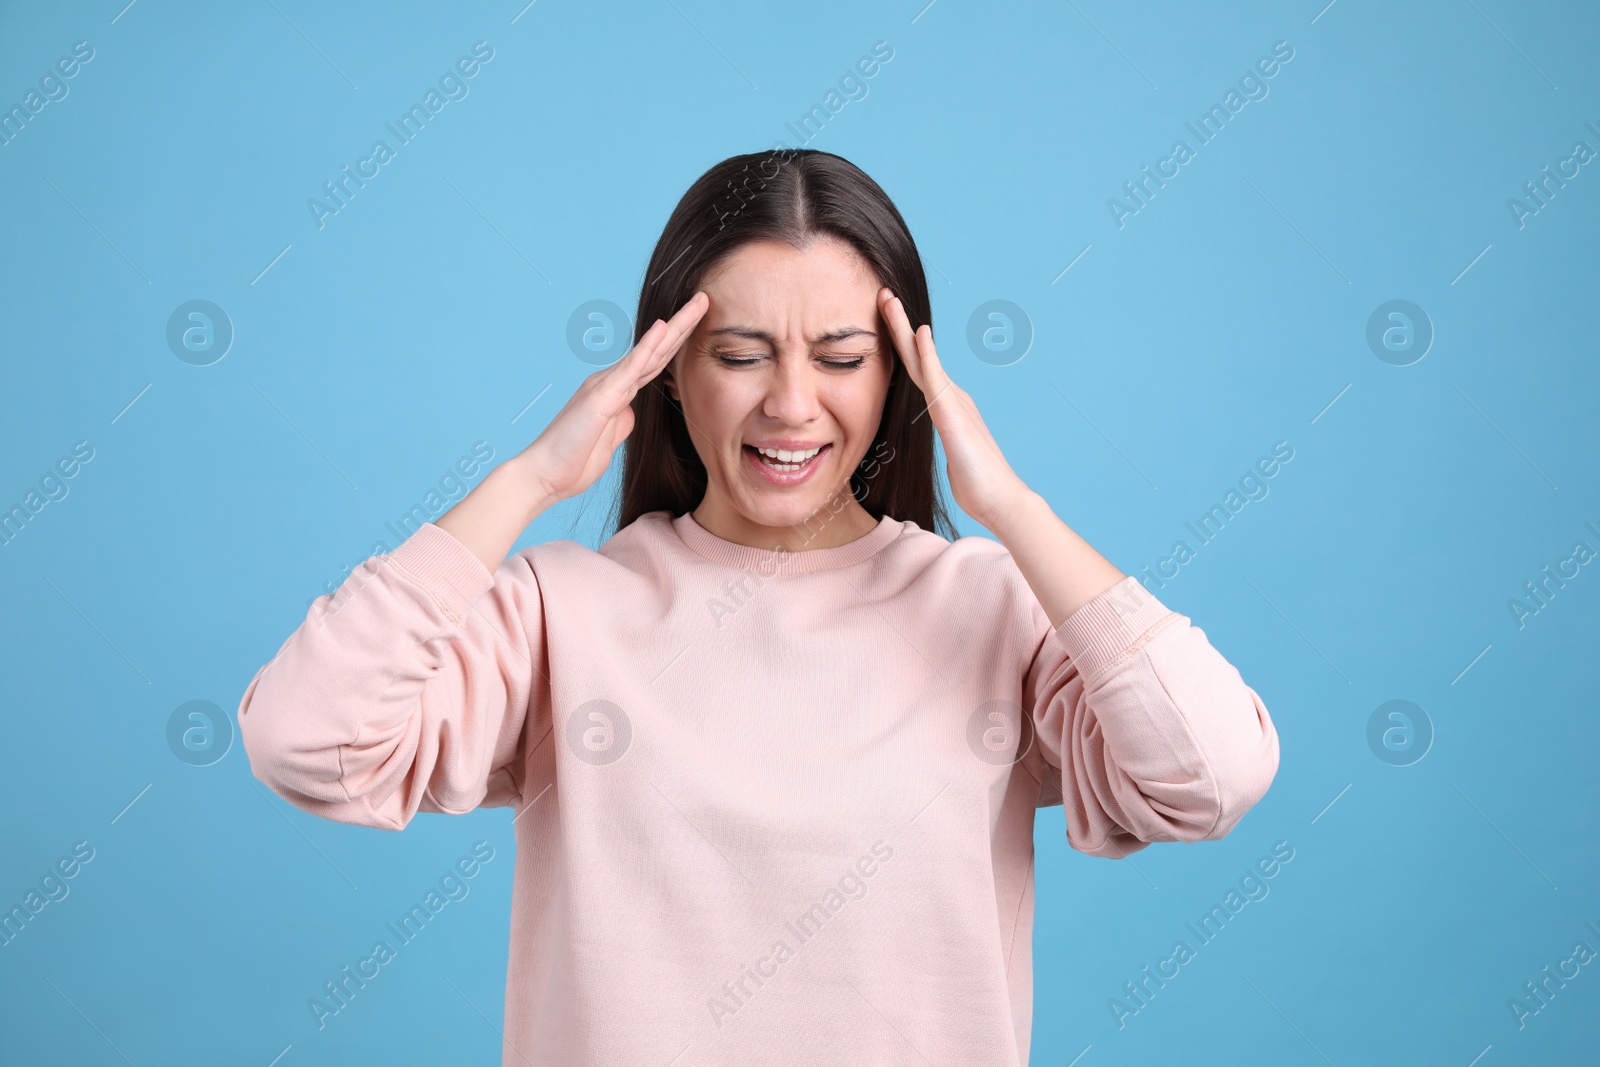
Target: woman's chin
{"type": "Point", "coordinates": [780, 515]}
{"type": "Point", "coordinates": [790, 508]}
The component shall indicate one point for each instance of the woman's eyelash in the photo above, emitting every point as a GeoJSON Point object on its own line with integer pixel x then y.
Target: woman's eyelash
{"type": "Point", "coordinates": [745, 361]}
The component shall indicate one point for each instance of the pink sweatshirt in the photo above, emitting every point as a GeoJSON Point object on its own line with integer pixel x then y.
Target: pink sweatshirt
{"type": "Point", "coordinates": [770, 808]}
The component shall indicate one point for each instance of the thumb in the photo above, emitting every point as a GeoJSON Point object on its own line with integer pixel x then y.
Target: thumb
{"type": "Point", "coordinates": [621, 426]}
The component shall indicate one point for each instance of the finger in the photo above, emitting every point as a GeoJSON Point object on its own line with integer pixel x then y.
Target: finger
{"type": "Point", "coordinates": [645, 347]}
{"type": "Point", "coordinates": [932, 370]}
{"type": "Point", "coordinates": [894, 316]}
{"type": "Point", "coordinates": [937, 384]}
{"type": "Point", "coordinates": [618, 382]}
{"type": "Point", "coordinates": [622, 427]}
{"type": "Point", "coordinates": [680, 326]}
{"type": "Point", "coordinates": [599, 457]}
{"type": "Point", "coordinates": [607, 376]}
{"type": "Point", "coordinates": [609, 435]}
{"type": "Point", "coordinates": [668, 338]}
{"type": "Point", "coordinates": [670, 342]}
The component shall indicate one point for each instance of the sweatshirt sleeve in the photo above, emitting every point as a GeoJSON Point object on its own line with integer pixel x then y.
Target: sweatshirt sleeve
{"type": "Point", "coordinates": [1148, 733]}
{"type": "Point", "coordinates": [408, 689]}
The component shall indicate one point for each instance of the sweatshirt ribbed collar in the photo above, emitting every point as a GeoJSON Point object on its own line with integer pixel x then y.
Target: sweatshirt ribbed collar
{"type": "Point", "coordinates": [766, 561]}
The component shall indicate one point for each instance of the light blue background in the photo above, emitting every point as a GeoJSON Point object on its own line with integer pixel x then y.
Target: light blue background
{"type": "Point", "coordinates": [1227, 315]}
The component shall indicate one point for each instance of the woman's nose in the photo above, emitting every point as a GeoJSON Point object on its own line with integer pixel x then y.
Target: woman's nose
{"type": "Point", "coordinates": [792, 392]}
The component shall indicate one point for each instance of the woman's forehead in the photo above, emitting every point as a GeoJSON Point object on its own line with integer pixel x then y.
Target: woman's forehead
{"type": "Point", "coordinates": [770, 291]}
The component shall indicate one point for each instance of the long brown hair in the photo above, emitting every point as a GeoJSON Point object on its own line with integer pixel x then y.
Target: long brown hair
{"type": "Point", "coordinates": [790, 195]}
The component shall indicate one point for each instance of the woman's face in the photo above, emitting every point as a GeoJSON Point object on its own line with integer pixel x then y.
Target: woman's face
{"type": "Point", "coordinates": [789, 355]}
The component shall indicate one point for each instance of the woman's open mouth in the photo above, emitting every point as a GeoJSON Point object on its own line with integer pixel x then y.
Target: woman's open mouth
{"type": "Point", "coordinates": [784, 467]}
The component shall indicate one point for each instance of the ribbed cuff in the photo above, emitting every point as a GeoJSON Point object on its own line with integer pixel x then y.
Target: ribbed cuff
{"type": "Point", "coordinates": [1105, 629]}
{"type": "Point", "coordinates": [445, 568]}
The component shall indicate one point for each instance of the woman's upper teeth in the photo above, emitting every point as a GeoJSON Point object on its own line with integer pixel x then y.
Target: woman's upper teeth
{"type": "Point", "coordinates": [783, 455]}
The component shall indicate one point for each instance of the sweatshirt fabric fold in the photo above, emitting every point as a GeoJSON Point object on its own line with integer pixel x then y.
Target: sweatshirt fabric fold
{"type": "Point", "coordinates": [769, 807]}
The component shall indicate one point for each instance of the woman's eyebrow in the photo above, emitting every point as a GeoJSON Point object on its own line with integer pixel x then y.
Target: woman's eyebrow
{"type": "Point", "coordinates": [844, 333]}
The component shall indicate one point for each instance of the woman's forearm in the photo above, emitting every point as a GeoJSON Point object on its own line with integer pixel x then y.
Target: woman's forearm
{"type": "Point", "coordinates": [491, 517]}
{"type": "Point", "coordinates": [1064, 570]}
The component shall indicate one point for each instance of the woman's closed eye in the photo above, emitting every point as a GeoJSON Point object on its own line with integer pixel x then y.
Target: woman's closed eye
{"type": "Point", "coordinates": [841, 362]}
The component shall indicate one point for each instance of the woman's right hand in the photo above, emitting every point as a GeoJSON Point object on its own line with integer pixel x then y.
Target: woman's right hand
{"type": "Point", "coordinates": [573, 451]}
{"type": "Point", "coordinates": [576, 447]}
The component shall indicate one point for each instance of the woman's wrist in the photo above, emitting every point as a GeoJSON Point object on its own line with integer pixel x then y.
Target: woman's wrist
{"type": "Point", "coordinates": [523, 478]}
{"type": "Point", "coordinates": [1064, 570]}
{"type": "Point", "coordinates": [1022, 507]}
{"type": "Point", "coordinates": [490, 518]}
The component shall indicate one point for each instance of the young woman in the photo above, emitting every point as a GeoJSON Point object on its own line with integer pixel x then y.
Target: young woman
{"type": "Point", "coordinates": [775, 748]}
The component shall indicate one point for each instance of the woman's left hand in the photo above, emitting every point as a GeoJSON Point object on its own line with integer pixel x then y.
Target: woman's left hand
{"type": "Point", "coordinates": [983, 483]}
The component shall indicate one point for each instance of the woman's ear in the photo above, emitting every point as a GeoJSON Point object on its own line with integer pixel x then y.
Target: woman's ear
{"type": "Point", "coordinates": [672, 383]}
